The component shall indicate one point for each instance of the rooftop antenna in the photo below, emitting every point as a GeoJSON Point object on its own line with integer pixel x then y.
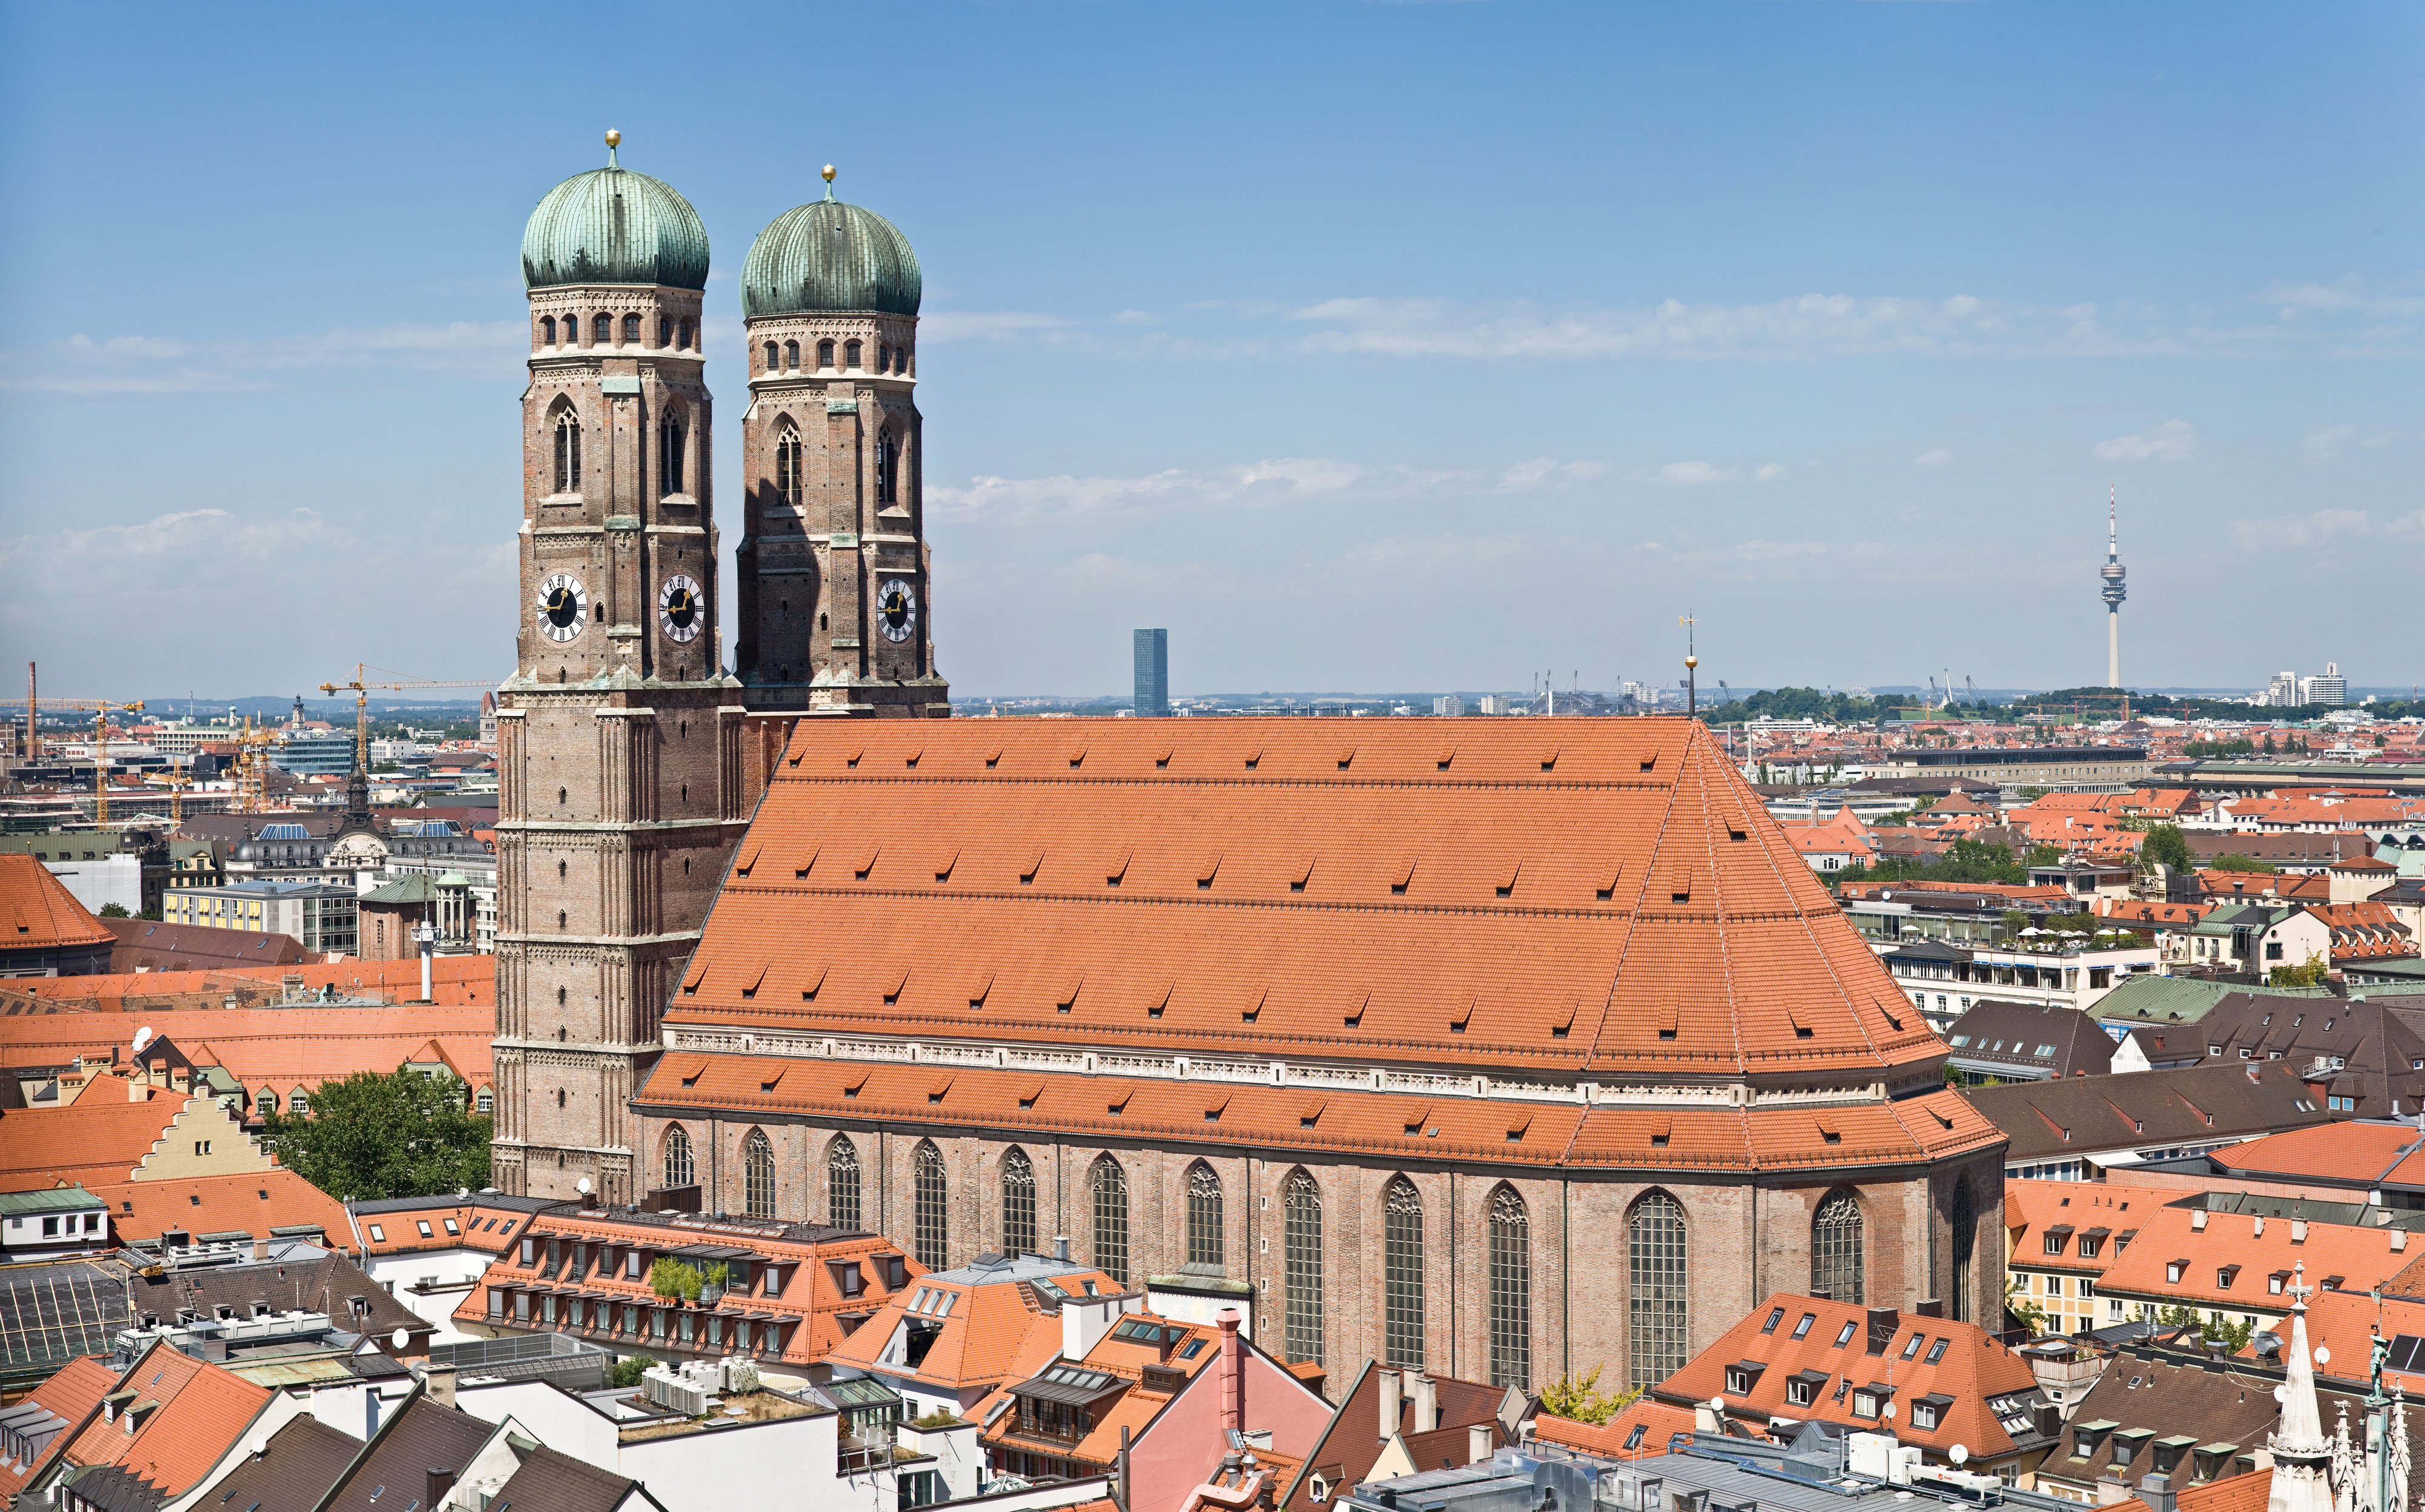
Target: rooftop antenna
{"type": "Point", "coordinates": [1692, 661]}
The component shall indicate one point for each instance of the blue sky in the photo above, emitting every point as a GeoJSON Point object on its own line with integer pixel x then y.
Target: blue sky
{"type": "Point", "coordinates": [1364, 346]}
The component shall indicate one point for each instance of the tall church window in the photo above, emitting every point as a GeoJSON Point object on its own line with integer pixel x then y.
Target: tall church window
{"type": "Point", "coordinates": [672, 434]}
{"type": "Point", "coordinates": [665, 330]}
{"type": "Point", "coordinates": [888, 469]}
{"type": "Point", "coordinates": [850, 355]}
{"type": "Point", "coordinates": [568, 452]}
{"type": "Point", "coordinates": [883, 359]}
{"type": "Point", "coordinates": [824, 354]}
{"type": "Point", "coordinates": [1204, 1246]}
{"type": "Point", "coordinates": [1965, 1243]}
{"type": "Point", "coordinates": [758, 1174]}
{"type": "Point", "coordinates": [631, 330]}
{"type": "Point", "coordinates": [684, 343]}
{"type": "Point", "coordinates": [547, 330]}
{"type": "Point", "coordinates": [679, 1171]}
{"type": "Point", "coordinates": [788, 483]}
{"type": "Point", "coordinates": [930, 1206]}
{"type": "Point", "coordinates": [774, 356]}
{"type": "Point", "coordinates": [1656, 1275]}
{"type": "Point", "coordinates": [1017, 1203]}
{"type": "Point", "coordinates": [841, 1184]}
{"type": "Point", "coordinates": [601, 331]}
{"type": "Point", "coordinates": [1511, 1291]}
{"type": "Point", "coordinates": [1402, 1275]}
{"type": "Point", "coordinates": [1836, 1249]}
{"type": "Point", "coordinates": [1301, 1265]}
{"type": "Point", "coordinates": [791, 355]}
{"type": "Point", "coordinates": [1111, 1191]}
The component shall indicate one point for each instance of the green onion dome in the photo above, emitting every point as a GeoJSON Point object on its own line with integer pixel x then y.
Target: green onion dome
{"type": "Point", "coordinates": [828, 256]}
{"type": "Point", "coordinates": [614, 226]}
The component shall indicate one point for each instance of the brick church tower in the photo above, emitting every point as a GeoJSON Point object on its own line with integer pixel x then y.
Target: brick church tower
{"type": "Point", "coordinates": [619, 734]}
{"type": "Point", "coordinates": [832, 614]}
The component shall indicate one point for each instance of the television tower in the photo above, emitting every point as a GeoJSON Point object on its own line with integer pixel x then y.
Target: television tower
{"type": "Point", "coordinates": [2115, 593]}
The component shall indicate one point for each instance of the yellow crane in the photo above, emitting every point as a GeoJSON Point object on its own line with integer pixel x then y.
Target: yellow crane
{"type": "Point", "coordinates": [362, 684]}
{"type": "Point", "coordinates": [102, 709]}
{"type": "Point", "coordinates": [253, 767]}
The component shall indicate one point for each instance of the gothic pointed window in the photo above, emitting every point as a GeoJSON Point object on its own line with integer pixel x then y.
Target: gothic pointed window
{"type": "Point", "coordinates": [631, 330]}
{"type": "Point", "coordinates": [888, 469]}
{"type": "Point", "coordinates": [1204, 1246]}
{"type": "Point", "coordinates": [671, 436]}
{"type": "Point", "coordinates": [1402, 1275]}
{"type": "Point", "coordinates": [1836, 1249]}
{"type": "Point", "coordinates": [568, 452]}
{"type": "Point", "coordinates": [789, 482]}
{"type": "Point", "coordinates": [930, 1206]}
{"type": "Point", "coordinates": [1110, 1194]}
{"type": "Point", "coordinates": [1511, 1291]}
{"type": "Point", "coordinates": [1965, 1242]}
{"type": "Point", "coordinates": [1017, 1203]}
{"type": "Point", "coordinates": [758, 1174]}
{"type": "Point", "coordinates": [1301, 1266]}
{"type": "Point", "coordinates": [825, 355]}
{"type": "Point", "coordinates": [842, 1182]}
{"type": "Point", "coordinates": [679, 1171]}
{"type": "Point", "coordinates": [1656, 1275]}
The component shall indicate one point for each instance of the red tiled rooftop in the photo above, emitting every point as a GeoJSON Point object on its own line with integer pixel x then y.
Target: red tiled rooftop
{"type": "Point", "coordinates": [36, 911]}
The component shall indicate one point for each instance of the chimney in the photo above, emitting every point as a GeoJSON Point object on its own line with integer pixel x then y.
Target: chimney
{"type": "Point", "coordinates": [1233, 1372]}
{"type": "Point", "coordinates": [1883, 1323]}
{"type": "Point", "coordinates": [1426, 1403]}
{"type": "Point", "coordinates": [439, 1383]}
{"type": "Point", "coordinates": [2197, 1220]}
{"type": "Point", "coordinates": [1387, 1421]}
{"type": "Point", "coordinates": [1085, 1320]}
{"type": "Point", "coordinates": [437, 1483]}
{"type": "Point", "coordinates": [260, 1249]}
{"type": "Point", "coordinates": [1061, 1246]}
{"type": "Point", "coordinates": [2157, 1491]}
{"type": "Point", "coordinates": [1477, 1444]}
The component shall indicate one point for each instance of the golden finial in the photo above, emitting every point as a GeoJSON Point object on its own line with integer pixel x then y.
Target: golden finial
{"type": "Point", "coordinates": [614, 138]}
{"type": "Point", "coordinates": [828, 172]}
{"type": "Point", "coordinates": [1692, 661]}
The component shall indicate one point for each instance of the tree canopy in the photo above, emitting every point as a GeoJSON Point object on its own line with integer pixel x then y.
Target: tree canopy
{"type": "Point", "coordinates": [372, 1135]}
{"type": "Point", "coordinates": [1964, 861]}
{"type": "Point", "coordinates": [2165, 843]}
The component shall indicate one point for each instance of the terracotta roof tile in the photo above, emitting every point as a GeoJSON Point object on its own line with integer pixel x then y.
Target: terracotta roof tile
{"type": "Point", "coordinates": [36, 911]}
{"type": "Point", "coordinates": [74, 1392]}
{"type": "Point", "coordinates": [202, 1411]}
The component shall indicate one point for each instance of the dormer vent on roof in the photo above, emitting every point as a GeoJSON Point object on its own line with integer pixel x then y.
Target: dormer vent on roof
{"type": "Point", "coordinates": [1506, 884]}
{"type": "Point", "coordinates": [1205, 869]}
{"type": "Point", "coordinates": [806, 862]}
{"type": "Point", "coordinates": [1034, 864]}
{"type": "Point", "coordinates": [1159, 999]}
{"type": "Point", "coordinates": [1446, 755]}
{"type": "Point", "coordinates": [945, 862]}
{"type": "Point", "coordinates": [865, 863]}
{"type": "Point", "coordinates": [1616, 874]}
{"type": "Point", "coordinates": [899, 978]}
{"type": "Point", "coordinates": [1301, 873]}
{"type": "Point", "coordinates": [1118, 868]}
{"type": "Point", "coordinates": [1066, 998]}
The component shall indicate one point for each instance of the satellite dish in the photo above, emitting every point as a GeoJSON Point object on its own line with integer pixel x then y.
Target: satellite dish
{"type": "Point", "coordinates": [582, 1186]}
{"type": "Point", "coordinates": [1958, 1454]}
{"type": "Point", "coordinates": [1887, 1410]}
{"type": "Point", "coordinates": [2324, 1354]}
{"type": "Point", "coordinates": [143, 1038]}
{"type": "Point", "coordinates": [399, 1338]}
{"type": "Point", "coordinates": [1717, 1404]}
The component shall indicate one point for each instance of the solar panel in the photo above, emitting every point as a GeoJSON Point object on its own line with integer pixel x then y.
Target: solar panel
{"type": "Point", "coordinates": [2404, 1352]}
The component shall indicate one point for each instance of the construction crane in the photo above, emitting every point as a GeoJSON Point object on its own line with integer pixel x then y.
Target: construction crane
{"type": "Point", "coordinates": [253, 767]}
{"type": "Point", "coordinates": [361, 686]}
{"type": "Point", "coordinates": [101, 710]}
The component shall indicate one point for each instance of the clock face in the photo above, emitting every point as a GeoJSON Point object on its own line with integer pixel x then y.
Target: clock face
{"type": "Point", "coordinates": [563, 606]}
{"type": "Point", "coordinates": [896, 610]}
{"type": "Point", "coordinates": [680, 609]}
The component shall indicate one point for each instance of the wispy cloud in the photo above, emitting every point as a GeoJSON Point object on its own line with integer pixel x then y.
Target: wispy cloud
{"type": "Point", "coordinates": [990, 325]}
{"type": "Point", "coordinates": [139, 364]}
{"type": "Point", "coordinates": [2325, 444]}
{"type": "Point", "coordinates": [2174, 441]}
{"type": "Point", "coordinates": [1268, 483]}
{"type": "Point", "coordinates": [1935, 458]}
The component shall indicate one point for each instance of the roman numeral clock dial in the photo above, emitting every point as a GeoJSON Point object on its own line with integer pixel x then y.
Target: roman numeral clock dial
{"type": "Point", "coordinates": [681, 608]}
{"type": "Point", "coordinates": [896, 611]}
{"type": "Point", "coordinates": [563, 606]}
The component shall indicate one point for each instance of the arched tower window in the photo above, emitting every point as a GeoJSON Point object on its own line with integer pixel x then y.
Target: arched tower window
{"type": "Point", "coordinates": [671, 436]}
{"type": "Point", "coordinates": [888, 468]}
{"type": "Point", "coordinates": [1017, 1203]}
{"type": "Point", "coordinates": [883, 359]}
{"type": "Point", "coordinates": [568, 451]}
{"type": "Point", "coordinates": [824, 354]}
{"type": "Point", "coordinates": [1656, 1275]}
{"type": "Point", "coordinates": [758, 1174]}
{"type": "Point", "coordinates": [601, 331]}
{"type": "Point", "coordinates": [1111, 1191]}
{"type": "Point", "coordinates": [791, 355]}
{"type": "Point", "coordinates": [1204, 1246]}
{"type": "Point", "coordinates": [790, 481]}
{"type": "Point", "coordinates": [684, 343]}
{"type": "Point", "coordinates": [631, 330]}
{"type": "Point", "coordinates": [774, 356]}
{"type": "Point", "coordinates": [1402, 1275]}
{"type": "Point", "coordinates": [842, 1182]}
{"type": "Point", "coordinates": [930, 1206]}
{"type": "Point", "coordinates": [1301, 1265]}
{"type": "Point", "coordinates": [547, 330]}
{"type": "Point", "coordinates": [1511, 1291]}
{"type": "Point", "coordinates": [665, 330]}
{"type": "Point", "coordinates": [850, 356]}
{"type": "Point", "coordinates": [680, 1169]}
{"type": "Point", "coordinates": [1836, 1249]}
{"type": "Point", "coordinates": [1965, 1243]}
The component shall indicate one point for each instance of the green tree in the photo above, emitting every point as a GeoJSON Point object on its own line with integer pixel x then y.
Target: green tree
{"type": "Point", "coordinates": [1579, 1399]}
{"type": "Point", "coordinates": [400, 1135]}
{"type": "Point", "coordinates": [113, 910]}
{"type": "Point", "coordinates": [2166, 845]}
{"type": "Point", "coordinates": [2310, 972]}
{"type": "Point", "coordinates": [2239, 863]}
{"type": "Point", "coordinates": [629, 1369]}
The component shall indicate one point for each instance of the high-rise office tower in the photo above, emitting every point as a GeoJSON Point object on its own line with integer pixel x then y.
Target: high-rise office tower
{"type": "Point", "coordinates": [1153, 671]}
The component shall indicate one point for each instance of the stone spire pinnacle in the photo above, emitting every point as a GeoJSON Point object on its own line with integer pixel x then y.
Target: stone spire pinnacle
{"type": "Point", "coordinates": [2301, 1451]}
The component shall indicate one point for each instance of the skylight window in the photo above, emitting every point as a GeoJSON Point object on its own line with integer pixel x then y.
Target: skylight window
{"type": "Point", "coordinates": [1912, 1348]}
{"type": "Point", "coordinates": [1845, 1336]}
{"type": "Point", "coordinates": [1776, 1316]}
{"type": "Point", "coordinates": [1804, 1327]}
{"type": "Point", "coordinates": [1936, 1351]}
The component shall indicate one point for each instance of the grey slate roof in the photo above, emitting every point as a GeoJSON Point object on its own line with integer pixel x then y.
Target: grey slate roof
{"type": "Point", "coordinates": [2147, 1110]}
{"type": "Point", "coordinates": [303, 1460]}
{"type": "Point", "coordinates": [2029, 1041]}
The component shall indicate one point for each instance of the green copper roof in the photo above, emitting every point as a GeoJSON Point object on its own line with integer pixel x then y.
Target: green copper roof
{"type": "Point", "coordinates": [828, 255]}
{"type": "Point", "coordinates": [614, 226]}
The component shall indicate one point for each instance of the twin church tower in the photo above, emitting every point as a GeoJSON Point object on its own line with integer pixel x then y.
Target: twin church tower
{"type": "Point", "coordinates": [629, 756]}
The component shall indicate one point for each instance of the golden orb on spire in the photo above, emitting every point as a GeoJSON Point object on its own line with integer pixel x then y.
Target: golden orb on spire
{"type": "Point", "coordinates": [828, 172]}
{"type": "Point", "coordinates": [1692, 661]}
{"type": "Point", "coordinates": [614, 137]}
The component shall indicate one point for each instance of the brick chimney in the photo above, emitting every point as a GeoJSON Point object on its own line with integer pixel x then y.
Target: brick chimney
{"type": "Point", "coordinates": [1233, 1372]}
{"type": "Point", "coordinates": [1427, 1396]}
{"type": "Point", "coordinates": [1386, 1422]}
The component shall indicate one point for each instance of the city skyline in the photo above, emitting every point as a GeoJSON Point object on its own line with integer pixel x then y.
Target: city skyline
{"type": "Point", "coordinates": [1684, 357]}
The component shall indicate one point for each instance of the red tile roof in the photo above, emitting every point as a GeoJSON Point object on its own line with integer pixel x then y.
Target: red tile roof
{"type": "Point", "coordinates": [36, 911]}
{"type": "Point", "coordinates": [254, 1203]}
{"type": "Point", "coordinates": [101, 1137]}
{"type": "Point", "coordinates": [2344, 1153]}
{"type": "Point", "coordinates": [1641, 1430]}
{"type": "Point", "coordinates": [2229, 1243]}
{"type": "Point", "coordinates": [74, 1392]}
{"type": "Point", "coordinates": [455, 980]}
{"type": "Point", "coordinates": [200, 1413]}
{"type": "Point", "coordinates": [280, 1049]}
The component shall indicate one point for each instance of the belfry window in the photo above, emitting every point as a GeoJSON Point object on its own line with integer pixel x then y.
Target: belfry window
{"type": "Point", "coordinates": [883, 359]}
{"type": "Point", "coordinates": [601, 331]}
{"type": "Point", "coordinates": [631, 330]}
{"type": "Point", "coordinates": [791, 355]}
{"type": "Point", "coordinates": [684, 343]}
{"type": "Point", "coordinates": [671, 435]}
{"type": "Point", "coordinates": [547, 330]}
{"type": "Point", "coordinates": [774, 356]}
{"type": "Point", "coordinates": [665, 330]}
{"type": "Point", "coordinates": [850, 356]}
{"type": "Point", "coordinates": [824, 354]}
{"type": "Point", "coordinates": [787, 481]}
{"type": "Point", "coordinates": [568, 453]}
{"type": "Point", "coordinates": [888, 469]}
